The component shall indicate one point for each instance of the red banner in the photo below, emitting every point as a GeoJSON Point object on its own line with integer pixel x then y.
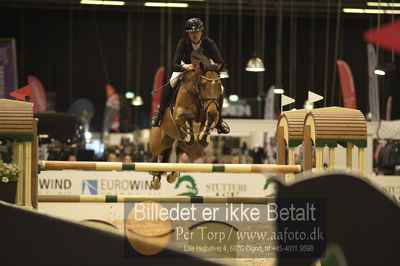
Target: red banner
{"type": "Point", "coordinates": [389, 108]}
{"type": "Point", "coordinates": [387, 36]}
{"type": "Point", "coordinates": [157, 83]}
{"type": "Point", "coordinates": [347, 84]}
{"type": "Point", "coordinates": [111, 112]}
{"type": "Point", "coordinates": [38, 94]}
{"type": "Point", "coordinates": [35, 91]}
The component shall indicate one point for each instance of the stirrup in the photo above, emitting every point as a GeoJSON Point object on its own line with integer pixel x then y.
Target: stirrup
{"type": "Point", "coordinates": [223, 128]}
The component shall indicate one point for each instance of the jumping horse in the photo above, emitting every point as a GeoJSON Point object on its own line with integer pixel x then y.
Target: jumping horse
{"type": "Point", "coordinates": [190, 120]}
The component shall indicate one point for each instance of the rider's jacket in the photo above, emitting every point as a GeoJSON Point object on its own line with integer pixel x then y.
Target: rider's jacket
{"type": "Point", "coordinates": [185, 48]}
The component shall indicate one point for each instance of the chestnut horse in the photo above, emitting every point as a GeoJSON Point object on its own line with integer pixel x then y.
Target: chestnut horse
{"type": "Point", "coordinates": [190, 121]}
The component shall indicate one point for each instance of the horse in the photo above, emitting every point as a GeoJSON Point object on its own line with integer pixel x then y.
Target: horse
{"type": "Point", "coordinates": [190, 120]}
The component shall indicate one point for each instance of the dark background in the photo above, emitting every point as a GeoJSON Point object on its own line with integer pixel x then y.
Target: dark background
{"type": "Point", "coordinates": [60, 45]}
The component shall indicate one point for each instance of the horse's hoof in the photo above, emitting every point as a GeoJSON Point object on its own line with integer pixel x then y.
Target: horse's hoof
{"type": "Point", "coordinates": [155, 185]}
{"type": "Point", "coordinates": [205, 141]}
{"type": "Point", "coordinates": [156, 182]}
{"type": "Point", "coordinates": [189, 139]}
{"type": "Point", "coordinates": [171, 178]}
{"type": "Point", "coordinates": [190, 143]}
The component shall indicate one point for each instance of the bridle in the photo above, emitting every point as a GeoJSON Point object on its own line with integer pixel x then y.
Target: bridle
{"type": "Point", "coordinates": [205, 102]}
{"type": "Point", "coordinates": [211, 80]}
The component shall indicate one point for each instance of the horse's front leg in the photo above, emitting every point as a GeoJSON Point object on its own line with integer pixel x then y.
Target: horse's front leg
{"type": "Point", "coordinates": [156, 182]}
{"type": "Point", "coordinates": [209, 125]}
{"type": "Point", "coordinates": [160, 153]}
{"type": "Point", "coordinates": [171, 178]}
{"type": "Point", "coordinates": [184, 120]}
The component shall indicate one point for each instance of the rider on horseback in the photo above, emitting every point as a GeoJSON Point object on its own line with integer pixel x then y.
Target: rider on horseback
{"type": "Point", "coordinates": [192, 40]}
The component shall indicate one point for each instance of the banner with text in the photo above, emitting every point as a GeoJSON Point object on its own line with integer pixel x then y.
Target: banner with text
{"type": "Point", "coordinates": [8, 68]}
{"type": "Point", "coordinates": [139, 183]}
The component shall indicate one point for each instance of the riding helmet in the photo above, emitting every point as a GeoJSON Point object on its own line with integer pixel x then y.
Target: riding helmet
{"type": "Point", "coordinates": [194, 24]}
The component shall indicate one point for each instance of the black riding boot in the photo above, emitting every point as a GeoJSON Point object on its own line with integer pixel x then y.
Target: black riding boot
{"type": "Point", "coordinates": [222, 126]}
{"type": "Point", "coordinates": [165, 96]}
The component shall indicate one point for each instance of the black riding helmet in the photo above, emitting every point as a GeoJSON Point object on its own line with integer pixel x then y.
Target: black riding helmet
{"type": "Point", "coordinates": [194, 24]}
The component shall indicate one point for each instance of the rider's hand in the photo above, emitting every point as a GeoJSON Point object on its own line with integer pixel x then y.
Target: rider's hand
{"type": "Point", "coordinates": [188, 66]}
{"type": "Point", "coordinates": [212, 62]}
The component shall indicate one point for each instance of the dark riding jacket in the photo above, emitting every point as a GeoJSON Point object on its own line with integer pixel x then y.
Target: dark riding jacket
{"type": "Point", "coordinates": [185, 48]}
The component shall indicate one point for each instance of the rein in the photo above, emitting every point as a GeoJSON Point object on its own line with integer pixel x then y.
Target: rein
{"type": "Point", "coordinates": [183, 74]}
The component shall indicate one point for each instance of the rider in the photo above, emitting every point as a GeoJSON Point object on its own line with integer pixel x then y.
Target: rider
{"type": "Point", "coordinates": [193, 39]}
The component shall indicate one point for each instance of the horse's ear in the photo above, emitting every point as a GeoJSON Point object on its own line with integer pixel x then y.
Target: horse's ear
{"type": "Point", "coordinates": [220, 67]}
{"type": "Point", "coordinates": [202, 66]}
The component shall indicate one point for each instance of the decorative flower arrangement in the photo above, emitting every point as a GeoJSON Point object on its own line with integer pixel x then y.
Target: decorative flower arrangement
{"type": "Point", "coordinates": [9, 172]}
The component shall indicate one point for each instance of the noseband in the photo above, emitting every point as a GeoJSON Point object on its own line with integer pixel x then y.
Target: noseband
{"type": "Point", "coordinates": [204, 101]}
{"type": "Point", "coordinates": [210, 100]}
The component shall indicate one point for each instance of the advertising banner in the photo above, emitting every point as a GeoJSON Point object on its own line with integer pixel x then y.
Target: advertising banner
{"type": "Point", "coordinates": [8, 68]}
{"type": "Point", "coordinates": [347, 84]}
{"type": "Point", "coordinates": [389, 184]}
{"type": "Point", "coordinates": [269, 109]}
{"type": "Point", "coordinates": [139, 183]}
{"type": "Point", "coordinates": [111, 112]}
{"type": "Point", "coordinates": [38, 94]}
{"type": "Point", "coordinates": [373, 90]}
{"type": "Point", "coordinates": [74, 182]}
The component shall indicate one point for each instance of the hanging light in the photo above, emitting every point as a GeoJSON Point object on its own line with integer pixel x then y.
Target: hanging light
{"type": "Point", "coordinates": [279, 90]}
{"type": "Point", "coordinates": [383, 69]}
{"type": "Point", "coordinates": [379, 70]}
{"type": "Point", "coordinates": [106, 3]}
{"type": "Point", "coordinates": [137, 101]}
{"type": "Point", "coordinates": [233, 98]}
{"type": "Point", "coordinates": [255, 64]}
{"type": "Point", "coordinates": [129, 94]}
{"type": "Point", "coordinates": [224, 74]}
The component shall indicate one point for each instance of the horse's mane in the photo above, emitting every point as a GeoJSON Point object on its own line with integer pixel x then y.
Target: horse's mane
{"type": "Point", "coordinates": [197, 56]}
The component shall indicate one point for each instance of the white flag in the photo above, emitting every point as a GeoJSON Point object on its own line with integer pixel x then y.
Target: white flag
{"type": "Point", "coordinates": [313, 97]}
{"type": "Point", "coordinates": [285, 100]}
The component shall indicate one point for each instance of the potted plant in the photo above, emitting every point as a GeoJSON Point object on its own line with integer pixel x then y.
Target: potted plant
{"type": "Point", "coordinates": [9, 175]}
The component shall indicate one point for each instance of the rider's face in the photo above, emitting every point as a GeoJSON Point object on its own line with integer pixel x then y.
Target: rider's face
{"type": "Point", "coordinates": [195, 36]}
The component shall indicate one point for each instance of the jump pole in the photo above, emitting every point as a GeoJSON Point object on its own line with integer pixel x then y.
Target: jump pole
{"type": "Point", "coordinates": [168, 167]}
{"type": "Point", "coordinates": [158, 199]}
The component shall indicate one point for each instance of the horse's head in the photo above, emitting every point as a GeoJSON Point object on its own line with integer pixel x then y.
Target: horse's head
{"type": "Point", "coordinates": [210, 89]}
